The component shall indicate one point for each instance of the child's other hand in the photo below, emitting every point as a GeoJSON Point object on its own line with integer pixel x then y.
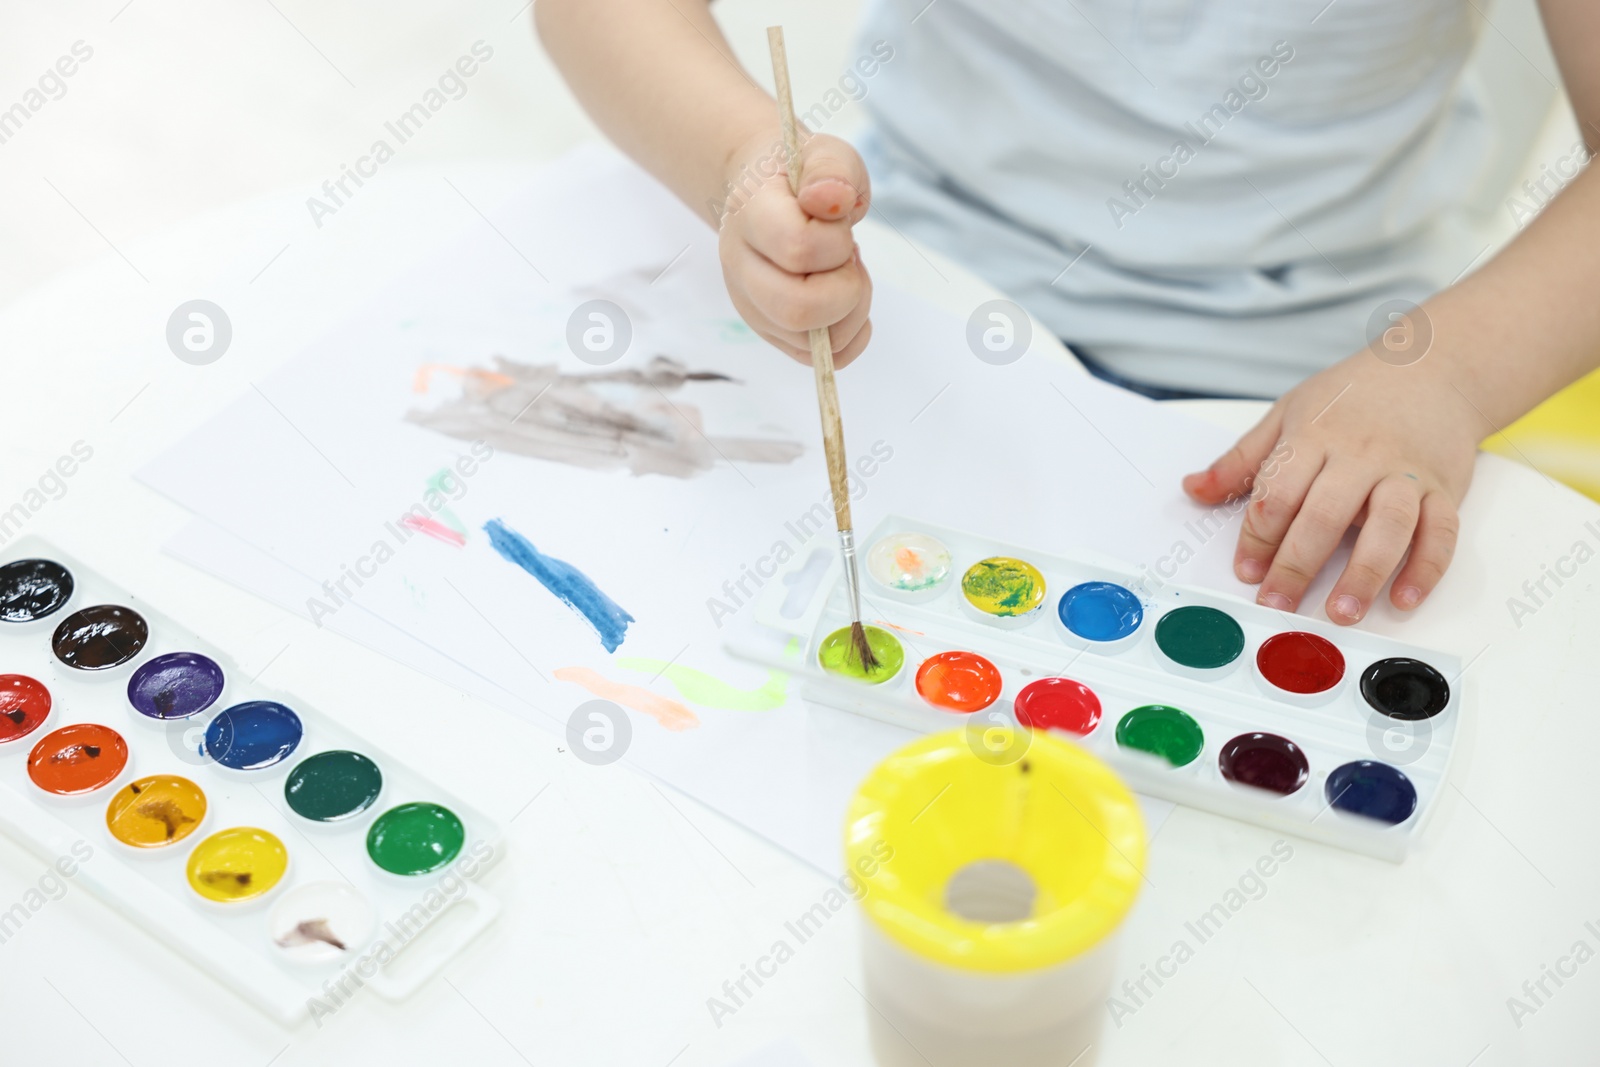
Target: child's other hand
{"type": "Point", "coordinates": [791, 263]}
{"type": "Point", "coordinates": [1387, 448]}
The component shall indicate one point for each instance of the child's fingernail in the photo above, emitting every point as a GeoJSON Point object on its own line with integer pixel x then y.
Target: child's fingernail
{"type": "Point", "coordinates": [1277, 601]}
{"type": "Point", "coordinates": [1252, 570]}
{"type": "Point", "coordinates": [1347, 605]}
{"type": "Point", "coordinates": [1409, 596]}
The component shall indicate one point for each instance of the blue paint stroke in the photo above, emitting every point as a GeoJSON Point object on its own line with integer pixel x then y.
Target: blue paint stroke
{"type": "Point", "coordinates": [567, 582]}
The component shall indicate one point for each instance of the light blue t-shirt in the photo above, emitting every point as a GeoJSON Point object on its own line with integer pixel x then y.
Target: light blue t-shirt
{"type": "Point", "coordinates": [1204, 194]}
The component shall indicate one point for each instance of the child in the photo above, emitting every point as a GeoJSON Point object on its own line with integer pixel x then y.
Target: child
{"type": "Point", "coordinates": [1202, 197]}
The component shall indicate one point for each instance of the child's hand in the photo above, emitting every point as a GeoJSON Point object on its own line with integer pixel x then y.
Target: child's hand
{"type": "Point", "coordinates": [791, 263]}
{"type": "Point", "coordinates": [1386, 448]}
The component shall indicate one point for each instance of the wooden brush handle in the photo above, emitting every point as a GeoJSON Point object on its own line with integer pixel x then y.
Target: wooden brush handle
{"type": "Point", "coordinates": [821, 346]}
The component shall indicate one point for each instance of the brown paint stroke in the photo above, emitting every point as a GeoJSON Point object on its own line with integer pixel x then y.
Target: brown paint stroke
{"type": "Point", "coordinates": [606, 420]}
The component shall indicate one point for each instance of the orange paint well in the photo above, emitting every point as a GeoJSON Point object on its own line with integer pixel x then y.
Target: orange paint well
{"type": "Point", "coordinates": [960, 681]}
{"type": "Point", "coordinates": [77, 759]}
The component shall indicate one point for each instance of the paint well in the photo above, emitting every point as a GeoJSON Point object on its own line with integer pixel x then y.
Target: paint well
{"type": "Point", "coordinates": [237, 864]}
{"type": "Point", "coordinates": [1058, 704]}
{"type": "Point", "coordinates": [1265, 761]}
{"type": "Point", "coordinates": [1200, 637]}
{"type": "Point", "coordinates": [1300, 662]}
{"type": "Point", "coordinates": [32, 589]}
{"type": "Point", "coordinates": [837, 655]}
{"type": "Point", "coordinates": [24, 706]}
{"type": "Point", "coordinates": [176, 685]}
{"type": "Point", "coordinates": [320, 922]}
{"type": "Point", "coordinates": [570, 585]}
{"type": "Point", "coordinates": [77, 759]}
{"type": "Point", "coordinates": [156, 811]}
{"type": "Point", "coordinates": [908, 562]}
{"type": "Point", "coordinates": [332, 786]}
{"type": "Point", "coordinates": [415, 838]}
{"type": "Point", "coordinates": [1373, 789]}
{"type": "Point", "coordinates": [1404, 688]}
{"type": "Point", "coordinates": [1100, 611]}
{"type": "Point", "coordinates": [1168, 732]}
{"type": "Point", "coordinates": [1003, 586]}
{"type": "Point", "coordinates": [960, 681]}
{"type": "Point", "coordinates": [253, 735]}
{"type": "Point", "coordinates": [100, 637]}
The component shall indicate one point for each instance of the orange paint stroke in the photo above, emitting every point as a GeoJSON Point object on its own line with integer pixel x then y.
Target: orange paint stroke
{"type": "Point", "coordinates": [669, 713]}
{"type": "Point", "coordinates": [902, 629]}
{"type": "Point", "coordinates": [425, 374]}
{"type": "Point", "coordinates": [434, 529]}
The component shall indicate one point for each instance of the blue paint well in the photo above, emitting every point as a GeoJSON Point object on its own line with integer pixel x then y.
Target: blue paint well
{"type": "Point", "coordinates": [1100, 611]}
{"type": "Point", "coordinates": [253, 735]}
{"type": "Point", "coordinates": [567, 582]}
{"type": "Point", "coordinates": [1373, 789]}
{"type": "Point", "coordinates": [175, 686]}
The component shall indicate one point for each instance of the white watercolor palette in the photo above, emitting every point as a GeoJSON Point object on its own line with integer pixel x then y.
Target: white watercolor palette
{"type": "Point", "coordinates": [291, 860]}
{"type": "Point", "coordinates": [1211, 701]}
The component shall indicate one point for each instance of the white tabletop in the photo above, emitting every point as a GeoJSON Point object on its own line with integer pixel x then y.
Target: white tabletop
{"type": "Point", "coordinates": [629, 909]}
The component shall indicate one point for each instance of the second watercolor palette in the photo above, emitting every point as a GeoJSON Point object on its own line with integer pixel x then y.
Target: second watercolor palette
{"type": "Point", "coordinates": [1207, 700]}
{"type": "Point", "coordinates": [290, 859]}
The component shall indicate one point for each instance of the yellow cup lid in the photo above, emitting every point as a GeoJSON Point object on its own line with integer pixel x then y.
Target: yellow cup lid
{"type": "Point", "coordinates": [1056, 812]}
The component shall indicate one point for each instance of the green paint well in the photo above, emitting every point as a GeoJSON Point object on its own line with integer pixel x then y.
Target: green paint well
{"type": "Point", "coordinates": [415, 838]}
{"type": "Point", "coordinates": [838, 655]}
{"type": "Point", "coordinates": [331, 786]}
{"type": "Point", "coordinates": [1201, 637]}
{"type": "Point", "coordinates": [1162, 731]}
{"type": "Point", "coordinates": [703, 689]}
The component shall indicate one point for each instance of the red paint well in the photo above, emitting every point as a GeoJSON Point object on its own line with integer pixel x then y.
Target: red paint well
{"type": "Point", "coordinates": [1058, 704]}
{"type": "Point", "coordinates": [24, 705]}
{"type": "Point", "coordinates": [1300, 662]}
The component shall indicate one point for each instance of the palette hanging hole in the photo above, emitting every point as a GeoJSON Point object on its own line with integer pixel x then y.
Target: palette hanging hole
{"type": "Point", "coordinates": [991, 891]}
{"type": "Point", "coordinates": [803, 583]}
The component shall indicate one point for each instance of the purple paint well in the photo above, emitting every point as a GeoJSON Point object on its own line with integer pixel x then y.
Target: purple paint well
{"type": "Point", "coordinates": [177, 685]}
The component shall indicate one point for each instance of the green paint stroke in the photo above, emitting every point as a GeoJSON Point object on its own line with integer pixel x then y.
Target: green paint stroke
{"type": "Point", "coordinates": [439, 483]}
{"type": "Point", "coordinates": [700, 688]}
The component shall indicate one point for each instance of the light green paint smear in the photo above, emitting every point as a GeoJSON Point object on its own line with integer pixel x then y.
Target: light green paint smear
{"type": "Point", "coordinates": [438, 483]}
{"type": "Point", "coordinates": [700, 688]}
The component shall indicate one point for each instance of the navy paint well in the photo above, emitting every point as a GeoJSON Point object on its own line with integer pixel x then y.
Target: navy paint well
{"type": "Point", "coordinates": [1373, 789]}
{"type": "Point", "coordinates": [253, 735]}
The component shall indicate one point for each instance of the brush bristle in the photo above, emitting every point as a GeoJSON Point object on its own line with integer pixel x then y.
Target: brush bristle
{"type": "Point", "coordinates": [863, 647]}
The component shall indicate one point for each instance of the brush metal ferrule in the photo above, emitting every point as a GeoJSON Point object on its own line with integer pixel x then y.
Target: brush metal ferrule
{"type": "Point", "coordinates": [852, 572]}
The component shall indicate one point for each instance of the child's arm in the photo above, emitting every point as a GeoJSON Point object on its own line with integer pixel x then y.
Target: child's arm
{"type": "Point", "coordinates": [1391, 447]}
{"type": "Point", "coordinates": [660, 80]}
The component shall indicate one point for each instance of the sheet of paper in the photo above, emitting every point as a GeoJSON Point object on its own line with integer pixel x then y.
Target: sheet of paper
{"type": "Point", "coordinates": [444, 479]}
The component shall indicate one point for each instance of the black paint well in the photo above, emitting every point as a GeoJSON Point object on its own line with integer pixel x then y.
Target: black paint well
{"type": "Point", "coordinates": [33, 588]}
{"type": "Point", "coordinates": [1406, 689]}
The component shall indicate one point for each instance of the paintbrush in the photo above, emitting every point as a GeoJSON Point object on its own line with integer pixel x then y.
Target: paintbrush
{"type": "Point", "coordinates": [822, 366]}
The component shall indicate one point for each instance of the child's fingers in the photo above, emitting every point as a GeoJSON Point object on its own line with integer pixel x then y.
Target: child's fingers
{"type": "Point", "coordinates": [777, 228]}
{"type": "Point", "coordinates": [857, 345]}
{"type": "Point", "coordinates": [800, 304]}
{"type": "Point", "coordinates": [1233, 474]}
{"type": "Point", "coordinates": [1318, 527]}
{"type": "Point", "coordinates": [1390, 523]}
{"type": "Point", "coordinates": [1275, 502]}
{"type": "Point", "coordinates": [845, 334]}
{"type": "Point", "coordinates": [1431, 551]}
{"type": "Point", "coordinates": [833, 181]}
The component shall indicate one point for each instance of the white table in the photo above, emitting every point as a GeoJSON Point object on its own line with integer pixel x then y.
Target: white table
{"type": "Point", "coordinates": [629, 911]}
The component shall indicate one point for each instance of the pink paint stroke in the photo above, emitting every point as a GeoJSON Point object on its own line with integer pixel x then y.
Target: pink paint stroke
{"type": "Point", "coordinates": [436, 530]}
